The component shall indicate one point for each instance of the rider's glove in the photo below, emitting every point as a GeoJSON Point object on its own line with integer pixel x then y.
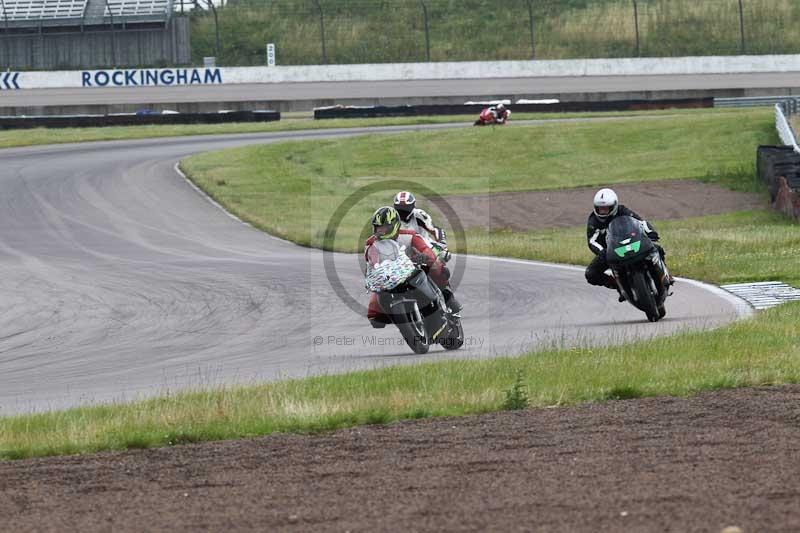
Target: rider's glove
{"type": "Point", "coordinates": [421, 259]}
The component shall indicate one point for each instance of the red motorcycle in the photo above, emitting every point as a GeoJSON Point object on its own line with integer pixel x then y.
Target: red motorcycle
{"type": "Point", "coordinates": [491, 117]}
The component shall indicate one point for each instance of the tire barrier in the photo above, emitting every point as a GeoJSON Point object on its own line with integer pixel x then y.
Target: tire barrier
{"type": "Point", "coordinates": [474, 109]}
{"type": "Point", "coordinates": [778, 168]}
{"type": "Point", "coordinates": [141, 118]}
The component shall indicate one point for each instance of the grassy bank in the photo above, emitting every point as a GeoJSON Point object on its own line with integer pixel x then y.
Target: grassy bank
{"type": "Point", "coordinates": [41, 136]}
{"type": "Point", "coordinates": [293, 189]}
{"type": "Point", "coordinates": [382, 31]}
{"type": "Point", "coordinates": [759, 351]}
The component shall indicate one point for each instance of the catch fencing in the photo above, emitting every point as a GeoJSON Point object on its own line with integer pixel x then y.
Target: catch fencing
{"type": "Point", "coordinates": [395, 31]}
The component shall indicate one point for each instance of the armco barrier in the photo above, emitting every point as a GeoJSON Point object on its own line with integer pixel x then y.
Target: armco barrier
{"type": "Point", "coordinates": [784, 128]}
{"type": "Point", "coordinates": [473, 109]}
{"type": "Point", "coordinates": [85, 121]}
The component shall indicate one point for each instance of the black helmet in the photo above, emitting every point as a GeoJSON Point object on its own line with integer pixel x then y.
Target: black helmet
{"type": "Point", "coordinates": [405, 203]}
{"type": "Point", "coordinates": [385, 222]}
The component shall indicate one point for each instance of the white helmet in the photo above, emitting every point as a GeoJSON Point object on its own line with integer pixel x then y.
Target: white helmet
{"type": "Point", "coordinates": [501, 106]}
{"type": "Point", "coordinates": [606, 203]}
{"type": "Point", "coordinates": [405, 203]}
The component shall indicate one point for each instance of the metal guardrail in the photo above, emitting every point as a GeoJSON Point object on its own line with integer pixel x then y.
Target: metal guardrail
{"type": "Point", "coordinates": [784, 127]}
{"type": "Point", "coordinates": [757, 101]}
{"type": "Point", "coordinates": [785, 107]}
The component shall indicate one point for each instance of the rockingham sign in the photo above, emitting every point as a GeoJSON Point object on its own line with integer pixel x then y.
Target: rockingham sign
{"type": "Point", "coordinates": [78, 79]}
{"type": "Point", "coordinates": [151, 77]}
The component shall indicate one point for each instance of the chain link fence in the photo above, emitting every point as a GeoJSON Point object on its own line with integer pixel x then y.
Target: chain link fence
{"type": "Point", "coordinates": [382, 31]}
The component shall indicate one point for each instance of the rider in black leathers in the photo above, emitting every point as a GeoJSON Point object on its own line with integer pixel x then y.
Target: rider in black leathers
{"type": "Point", "coordinates": [606, 208]}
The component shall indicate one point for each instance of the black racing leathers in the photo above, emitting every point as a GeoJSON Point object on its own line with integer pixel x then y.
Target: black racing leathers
{"type": "Point", "coordinates": [596, 230]}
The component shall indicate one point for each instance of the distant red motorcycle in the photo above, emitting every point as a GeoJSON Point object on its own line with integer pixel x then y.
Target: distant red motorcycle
{"type": "Point", "coordinates": [492, 116]}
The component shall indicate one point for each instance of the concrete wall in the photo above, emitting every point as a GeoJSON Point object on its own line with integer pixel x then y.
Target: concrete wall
{"type": "Point", "coordinates": [516, 69]}
{"type": "Point", "coordinates": [97, 48]}
{"type": "Point", "coordinates": [439, 71]}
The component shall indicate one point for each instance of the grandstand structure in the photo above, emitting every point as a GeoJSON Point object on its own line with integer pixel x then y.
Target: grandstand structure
{"type": "Point", "coordinates": [51, 34]}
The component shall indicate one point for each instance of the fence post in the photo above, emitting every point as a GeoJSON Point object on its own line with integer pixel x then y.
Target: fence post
{"type": "Point", "coordinates": [636, 24]}
{"type": "Point", "coordinates": [533, 35]}
{"type": "Point", "coordinates": [741, 25]}
{"type": "Point", "coordinates": [113, 36]}
{"type": "Point", "coordinates": [427, 31]}
{"type": "Point", "coordinates": [322, 32]}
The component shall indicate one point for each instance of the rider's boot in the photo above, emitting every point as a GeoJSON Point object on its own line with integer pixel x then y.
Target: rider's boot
{"type": "Point", "coordinates": [611, 283]}
{"type": "Point", "coordinates": [450, 300]}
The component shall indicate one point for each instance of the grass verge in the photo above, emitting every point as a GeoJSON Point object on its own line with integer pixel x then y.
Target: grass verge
{"type": "Point", "coordinates": [39, 136]}
{"type": "Point", "coordinates": [759, 351]}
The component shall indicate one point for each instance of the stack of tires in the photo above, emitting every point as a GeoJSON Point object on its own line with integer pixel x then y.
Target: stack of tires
{"type": "Point", "coordinates": [776, 161]}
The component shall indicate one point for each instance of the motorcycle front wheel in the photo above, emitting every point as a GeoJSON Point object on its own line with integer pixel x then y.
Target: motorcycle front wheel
{"type": "Point", "coordinates": [643, 296]}
{"type": "Point", "coordinates": [455, 339]}
{"type": "Point", "coordinates": [414, 332]}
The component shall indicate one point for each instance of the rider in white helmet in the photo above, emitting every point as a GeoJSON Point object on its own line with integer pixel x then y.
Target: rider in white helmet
{"type": "Point", "coordinates": [413, 218]}
{"type": "Point", "coordinates": [606, 208]}
{"type": "Point", "coordinates": [501, 114]}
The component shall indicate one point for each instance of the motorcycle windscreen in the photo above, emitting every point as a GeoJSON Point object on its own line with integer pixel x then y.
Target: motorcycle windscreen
{"type": "Point", "coordinates": [626, 240]}
{"type": "Point", "coordinates": [387, 250]}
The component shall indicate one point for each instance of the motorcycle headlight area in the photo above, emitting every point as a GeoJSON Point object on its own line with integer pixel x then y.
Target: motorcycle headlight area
{"type": "Point", "coordinates": [389, 274]}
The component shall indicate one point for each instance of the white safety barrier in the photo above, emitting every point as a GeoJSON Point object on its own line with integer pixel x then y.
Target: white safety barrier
{"type": "Point", "coordinates": [412, 71]}
{"type": "Point", "coordinates": [785, 130]}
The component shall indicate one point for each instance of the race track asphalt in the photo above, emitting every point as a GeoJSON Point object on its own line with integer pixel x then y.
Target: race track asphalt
{"type": "Point", "coordinates": [519, 87]}
{"type": "Point", "coordinates": [119, 280]}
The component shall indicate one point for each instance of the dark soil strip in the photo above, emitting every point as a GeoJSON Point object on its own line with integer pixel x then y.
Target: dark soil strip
{"type": "Point", "coordinates": [719, 459]}
{"type": "Point", "coordinates": [659, 200]}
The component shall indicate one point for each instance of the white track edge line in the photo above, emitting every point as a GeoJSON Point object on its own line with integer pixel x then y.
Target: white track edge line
{"type": "Point", "coordinates": [742, 307]}
{"type": "Point", "coordinates": [213, 202]}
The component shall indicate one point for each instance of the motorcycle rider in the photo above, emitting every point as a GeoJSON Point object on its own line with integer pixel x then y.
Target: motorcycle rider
{"type": "Point", "coordinates": [386, 225]}
{"type": "Point", "coordinates": [606, 208]}
{"type": "Point", "coordinates": [500, 113]}
{"type": "Point", "coordinates": [413, 218]}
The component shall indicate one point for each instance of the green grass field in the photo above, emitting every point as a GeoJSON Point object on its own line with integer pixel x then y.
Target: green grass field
{"type": "Point", "coordinates": [304, 178]}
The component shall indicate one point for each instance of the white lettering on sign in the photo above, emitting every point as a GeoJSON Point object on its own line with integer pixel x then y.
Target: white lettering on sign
{"type": "Point", "coordinates": [151, 77]}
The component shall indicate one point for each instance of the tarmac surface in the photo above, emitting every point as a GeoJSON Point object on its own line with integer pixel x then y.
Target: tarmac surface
{"type": "Point", "coordinates": [120, 280]}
